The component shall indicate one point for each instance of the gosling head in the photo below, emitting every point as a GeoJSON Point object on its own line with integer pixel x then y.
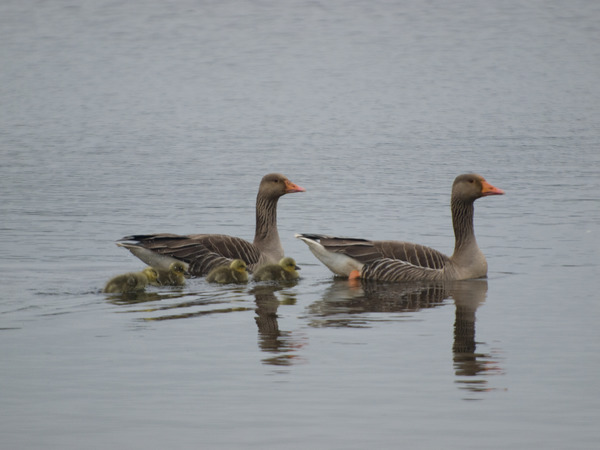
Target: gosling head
{"type": "Point", "coordinates": [288, 264]}
{"type": "Point", "coordinates": [177, 268]}
{"type": "Point", "coordinates": [151, 274]}
{"type": "Point", "coordinates": [238, 265]}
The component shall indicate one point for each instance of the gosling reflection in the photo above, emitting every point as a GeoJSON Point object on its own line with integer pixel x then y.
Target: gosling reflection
{"type": "Point", "coordinates": [180, 304]}
{"type": "Point", "coordinates": [282, 344]}
{"type": "Point", "coordinates": [132, 298]}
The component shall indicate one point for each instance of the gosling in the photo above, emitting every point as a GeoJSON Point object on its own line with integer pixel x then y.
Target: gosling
{"type": "Point", "coordinates": [131, 282]}
{"type": "Point", "coordinates": [286, 270]}
{"type": "Point", "coordinates": [173, 276]}
{"type": "Point", "coordinates": [234, 273]}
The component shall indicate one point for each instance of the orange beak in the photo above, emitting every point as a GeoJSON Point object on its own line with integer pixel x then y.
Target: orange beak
{"type": "Point", "coordinates": [488, 189]}
{"type": "Point", "coordinates": [291, 187]}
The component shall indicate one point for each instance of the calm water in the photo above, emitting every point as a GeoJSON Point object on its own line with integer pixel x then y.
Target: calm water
{"type": "Point", "coordinates": [148, 116]}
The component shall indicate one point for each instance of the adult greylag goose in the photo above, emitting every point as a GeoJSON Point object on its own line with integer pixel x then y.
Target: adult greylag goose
{"type": "Point", "coordinates": [404, 261]}
{"type": "Point", "coordinates": [131, 282]}
{"type": "Point", "coordinates": [233, 273]}
{"type": "Point", "coordinates": [203, 252]}
{"type": "Point", "coordinates": [286, 270]}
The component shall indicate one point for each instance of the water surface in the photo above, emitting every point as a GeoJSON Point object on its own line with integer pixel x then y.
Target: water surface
{"type": "Point", "coordinates": [149, 117]}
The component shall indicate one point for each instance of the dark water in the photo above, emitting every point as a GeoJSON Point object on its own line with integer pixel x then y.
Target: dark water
{"type": "Point", "coordinates": [148, 116]}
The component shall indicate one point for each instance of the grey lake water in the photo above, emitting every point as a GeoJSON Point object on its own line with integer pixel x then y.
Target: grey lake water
{"type": "Point", "coordinates": [148, 116]}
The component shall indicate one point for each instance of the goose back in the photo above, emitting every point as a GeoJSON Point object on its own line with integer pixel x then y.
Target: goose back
{"type": "Point", "coordinates": [203, 252]}
{"type": "Point", "coordinates": [367, 251]}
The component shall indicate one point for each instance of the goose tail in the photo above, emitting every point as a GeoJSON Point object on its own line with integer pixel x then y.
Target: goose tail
{"type": "Point", "coordinates": [338, 263]}
{"type": "Point", "coordinates": [151, 258]}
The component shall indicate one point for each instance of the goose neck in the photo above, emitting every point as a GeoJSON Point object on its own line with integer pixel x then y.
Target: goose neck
{"type": "Point", "coordinates": [462, 221]}
{"type": "Point", "coordinates": [266, 219]}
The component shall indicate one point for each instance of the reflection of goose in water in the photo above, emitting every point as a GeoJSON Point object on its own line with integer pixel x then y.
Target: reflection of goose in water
{"type": "Point", "coordinates": [467, 298]}
{"type": "Point", "coordinates": [344, 305]}
{"type": "Point", "coordinates": [271, 338]}
{"type": "Point", "coordinates": [468, 295]}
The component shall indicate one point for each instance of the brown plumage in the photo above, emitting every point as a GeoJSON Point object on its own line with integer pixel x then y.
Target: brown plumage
{"type": "Point", "coordinates": [233, 273]}
{"type": "Point", "coordinates": [204, 252]}
{"type": "Point", "coordinates": [404, 261]}
{"type": "Point", "coordinates": [131, 282]}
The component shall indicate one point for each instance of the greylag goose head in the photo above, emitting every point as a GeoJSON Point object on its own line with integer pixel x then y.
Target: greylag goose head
{"type": "Point", "coordinates": [470, 186]}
